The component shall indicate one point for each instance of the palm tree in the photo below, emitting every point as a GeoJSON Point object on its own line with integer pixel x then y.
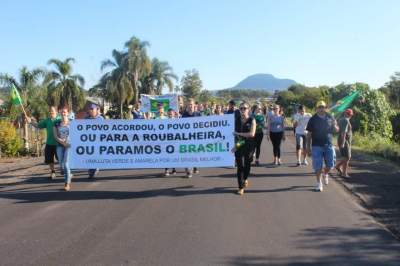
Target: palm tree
{"type": "Point", "coordinates": [27, 81]}
{"type": "Point", "coordinates": [163, 75]}
{"type": "Point", "coordinates": [116, 85]}
{"type": "Point", "coordinates": [31, 91]}
{"type": "Point", "coordinates": [139, 64]}
{"type": "Point", "coordinates": [64, 88]}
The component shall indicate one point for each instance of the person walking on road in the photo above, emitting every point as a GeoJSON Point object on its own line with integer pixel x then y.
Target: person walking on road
{"type": "Point", "coordinates": [191, 112]}
{"type": "Point", "coordinates": [300, 123]}
{"type": "Point", "coordinates": [61, 134]}
{"type": "Point", "coordinates": [344, 143]}
{"type": "Point", "coordinates": [50, 150]}
{"type": "Point", "coordinates": [93, 113]}
{"type": "Point", "coordinates": [170, 115]}
{"type": "Point", "coordinates": [320, 130]}
{"type": "Point", "coordinates": [260, 125]}
{"type": "Point", "coordinates": [276, 128]}
{"type": "Point", "coordinates": [245, 130]}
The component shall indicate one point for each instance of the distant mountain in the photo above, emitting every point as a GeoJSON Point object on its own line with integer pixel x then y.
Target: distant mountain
{"type": "Point", "coordinates": [264, 81]}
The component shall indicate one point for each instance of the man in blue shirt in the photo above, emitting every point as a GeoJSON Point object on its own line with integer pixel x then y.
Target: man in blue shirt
{"type": "Point", "coordinates": [320, 128]}
{"type": "Point", "coordinates": [93, 113]}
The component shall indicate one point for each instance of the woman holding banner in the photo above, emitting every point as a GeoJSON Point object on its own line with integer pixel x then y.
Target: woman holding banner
{"type": "Point", "coordinates": [245, 130]}
{"type": "Point", "coordinates": [61, 134]}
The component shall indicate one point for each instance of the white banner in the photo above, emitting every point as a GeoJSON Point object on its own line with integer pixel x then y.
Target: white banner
{"type": "Point", "coordinates": [160, 143]}
{"type": "Point", "coordinates": [150, 102]}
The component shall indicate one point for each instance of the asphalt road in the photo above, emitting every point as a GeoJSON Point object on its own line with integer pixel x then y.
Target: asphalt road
{"type": "Point", "coordinates": [139, 217]}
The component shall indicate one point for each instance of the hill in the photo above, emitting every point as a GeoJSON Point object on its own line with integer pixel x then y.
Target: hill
{"type": "Point", "coordinates": [265, 82]}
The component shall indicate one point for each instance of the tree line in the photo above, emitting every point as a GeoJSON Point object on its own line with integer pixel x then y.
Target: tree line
{"type": "Point", "coordinates": [377, 111]}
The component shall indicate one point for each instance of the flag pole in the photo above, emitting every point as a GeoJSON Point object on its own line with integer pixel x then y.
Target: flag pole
{"type": "Point", "coordinates": [22, 105]}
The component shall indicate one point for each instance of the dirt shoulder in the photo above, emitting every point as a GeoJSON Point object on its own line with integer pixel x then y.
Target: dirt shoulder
{"type": "Point", "coordinates": [376, 183]}
{"type": "Point", "coordinates": [17, 170]}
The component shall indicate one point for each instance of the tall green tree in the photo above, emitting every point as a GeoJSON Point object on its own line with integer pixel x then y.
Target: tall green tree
{"type": "Point", "coordinates": [32, 91]}
{"type": "Point", "coordinates": [116, 85]}
{"type": "Point", "coordinates": [392, 90]}
{"type": "Point", "coordinates": [138, 62]}
{"type": "Point", "coordinates": [30, 84]}
{"type": "Point", "coordinates": [164, 75]}
{"type": "Point", "coordinates": [191, 83]}
{"type": "Point", "coordinates": [161, 76]}
{"type": "Point", "coordinates": [64, 87]}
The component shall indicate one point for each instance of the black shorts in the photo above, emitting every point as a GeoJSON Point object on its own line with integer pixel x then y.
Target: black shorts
{"type": "Point", "coordinates": [345, 152]}
{"type": "Point", "coordinates": [50, 151]}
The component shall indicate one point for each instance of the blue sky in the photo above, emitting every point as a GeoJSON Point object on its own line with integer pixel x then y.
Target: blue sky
{"type": "Point", "coordinates": [313, 42]}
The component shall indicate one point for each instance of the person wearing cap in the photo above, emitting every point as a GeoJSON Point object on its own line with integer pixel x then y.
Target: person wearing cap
{"type": "Point", "coordinates": [344, 143]}
{"type": "Point", "coordinates": [320, 131]}
{"type": "Point", "coordinates": [93, 113]}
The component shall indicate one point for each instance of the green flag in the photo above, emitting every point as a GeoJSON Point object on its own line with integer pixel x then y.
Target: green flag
{"type": "Point", "coordinates": [15, 97]}
{"type": "Point", "coordinates": [344, 103]}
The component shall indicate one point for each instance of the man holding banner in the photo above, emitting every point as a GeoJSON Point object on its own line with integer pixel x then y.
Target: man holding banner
{"type": "Point", "coordinates": [190, 112]}
{"type": "Point", "coordinates": [93, 113]}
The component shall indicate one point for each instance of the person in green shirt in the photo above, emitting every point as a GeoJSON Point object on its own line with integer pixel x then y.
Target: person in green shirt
{"type": "Point", "coordinates": [50, 150]}
{"type": "Point", "coordinates": [260, 125]}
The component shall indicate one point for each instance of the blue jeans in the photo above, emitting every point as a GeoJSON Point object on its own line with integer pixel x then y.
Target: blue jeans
{"type": "Point", "coordinates": [323, 154]}
{"type": "Point", "coordinates": [63, 159]}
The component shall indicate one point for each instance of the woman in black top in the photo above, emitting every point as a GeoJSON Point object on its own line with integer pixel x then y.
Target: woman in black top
{"type": "Point", "coordinates": [245, 130]}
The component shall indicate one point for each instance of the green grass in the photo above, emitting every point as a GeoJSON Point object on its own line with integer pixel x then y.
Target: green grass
{"type": "Point", "coordinates": [377, 145]}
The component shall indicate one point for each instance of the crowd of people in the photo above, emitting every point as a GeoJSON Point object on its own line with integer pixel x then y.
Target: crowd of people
{"type": "Point", "coordinates": [313, 134]}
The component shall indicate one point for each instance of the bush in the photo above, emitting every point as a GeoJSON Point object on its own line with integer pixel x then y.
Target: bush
{"type": "Point", "coordinates": [378, 145]}
{"type": "Point", "coordinates": [396, 127]}
{"type": "Point", "coordinates": [10, 143]}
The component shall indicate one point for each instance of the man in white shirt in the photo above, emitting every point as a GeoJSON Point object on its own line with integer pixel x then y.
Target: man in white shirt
{"type": "Point", "coordinates": [300, 123]}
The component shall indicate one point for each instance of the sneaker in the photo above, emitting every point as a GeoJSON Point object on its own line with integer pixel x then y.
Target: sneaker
{"type": "Point", "coordinates": [166, 173]}
{"type": "Point", "coordinates": [173, 172]}
{"type": "Point", "coordinates": [195, 170]}
{"type": "Point", "coordinates": [189, 174]}
{"type": "Point", "coordinates": [305, 162]}
{"type": "Point", "coordinates": [298, 163]}
{"type": "Point", "coordinates": [326, 179]}
{"type": "Point", "coordinates": [67, 187]}
{"type": "Point", "coordinates": [279, 162]}
{"type": "Point", "coordinates": [52, 175]}
{"type": "Point", "coordinates": [319, 187]}
{"type": "Point", "coordinates": [241, 191]}
{"type": "Point", "coordinates": [246, 183]}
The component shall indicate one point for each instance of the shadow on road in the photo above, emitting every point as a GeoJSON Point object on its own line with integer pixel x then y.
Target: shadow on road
{"type": "Point", "coordinates": [22, 196]}
{"type": "Point", "coordinates": [334, 246]}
